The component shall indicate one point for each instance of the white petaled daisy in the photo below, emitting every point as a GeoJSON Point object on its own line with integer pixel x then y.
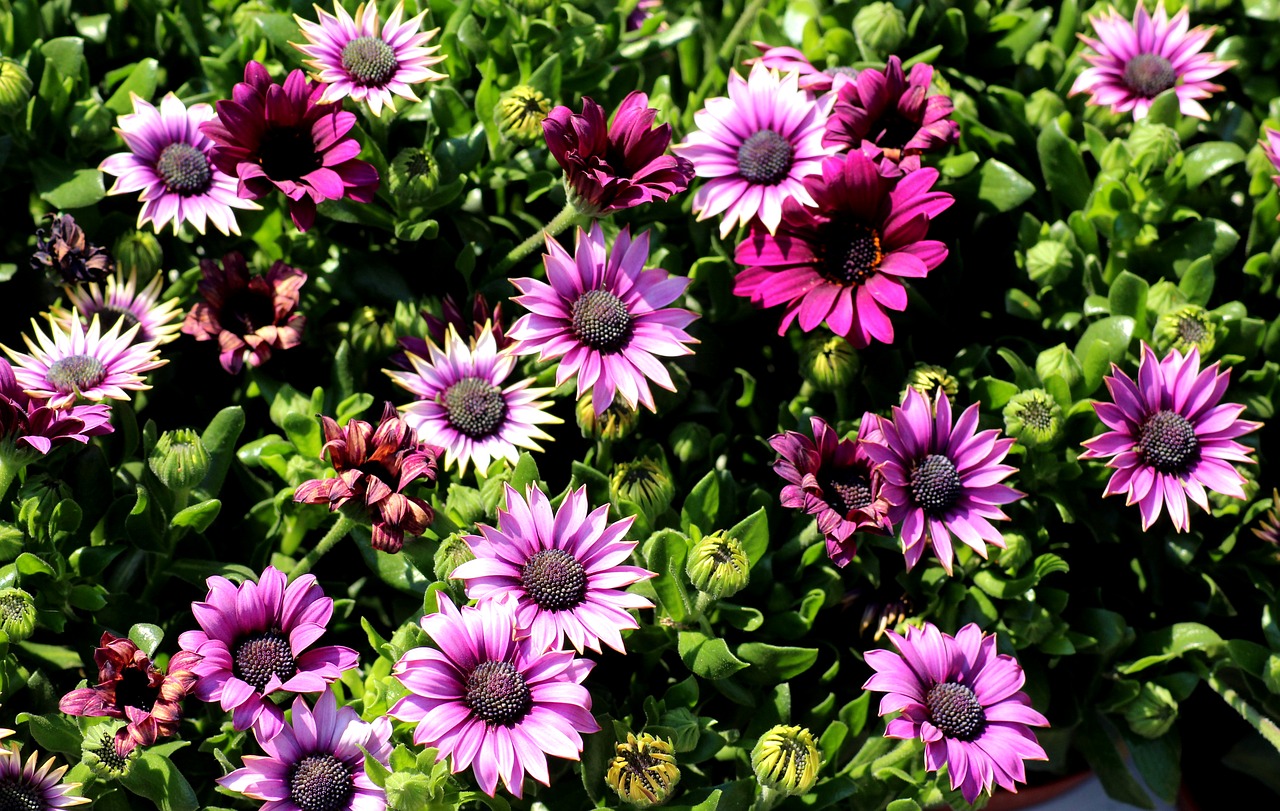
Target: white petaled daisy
{"type": "Point", "coordinates": [39, 789]}
{"type": "Point", "coordinates": [72, 363]}
{"type": "Point", "coordinates": [353, 58]}
{"type": "Point", "coordinates": [159, 322]}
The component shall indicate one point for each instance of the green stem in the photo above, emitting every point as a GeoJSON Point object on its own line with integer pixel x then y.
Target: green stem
{"type": "Point", "coordinates": [336, 533]}
{"type": "Point", "coordinates": [740, 29]}
{"type": "Point", "coordinates": [1265, 726]}
{"type": "Point", "coordinates": [567, 217]}
{"type": "Point", "coordinates": [769, 798]}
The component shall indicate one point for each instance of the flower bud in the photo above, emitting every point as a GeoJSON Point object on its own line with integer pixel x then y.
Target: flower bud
{"type": "Point", "coordinates": [371, 333]}
{"type": "Point", "coordinates": [520, 113]}
{"type": "Point", "coordinates": [643, 482]}
{"type": "Point", "coordinates": [690, 441]}
{"type": "Point", "coordinates": [15, 88]}
{"type": "Point", "coordinates": [413, 176]}
{"type": "Point", "coordinates": [100, 752]}
{"type": "Point", "coordinates": [179, 459]}
{"type": "Point", "coordinates": [880, 27]}
{"type": "Point", "coordinates": [1033, 418]}
{"type": "Point", "coordinates": [138, 252]}
{"type": "Point", "coordinates": [1061, 361]}
{"type": "Point", "coordinates": [17, 614]}
{"type": "Point", "coordinates": [1049, 262]}
{"type": "Point", "coordinates": [617, 421]}
{"type": "Point", "coordinates": [1153, 145]}
{"type": "Point", "coordinates": [452, 553]}
{"type": "Point", "coordinates": [786, 759]}
{"type": "Point", "coordinates": [643, 771]}
{"type": "Point", "coordinates": [718, 566]}
{"type": "Point", "coordinates": [828, 362]}
{"type": "Point", "coordinates": [926, 378]}
{"type": "Point", "coordinates": [1184, 328]}
{"type": "Point", "coordinates": [1153, 712]}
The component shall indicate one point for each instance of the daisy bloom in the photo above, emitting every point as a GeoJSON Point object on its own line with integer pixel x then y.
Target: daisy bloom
{"type": "Point", "coordinates": [1135, 62]}
{"type": "Point", "coordinates": [846, 261]}
{"type": "Point", "coordinates": [72, 363]}
{"type": "Point", "coordinates": [941, 479]}
{"type": "Point", "coordinates": [254, 641]}
{"type": "Point", "coordinates": [1169, 439]}
{"type": "Point", "coordinates": [316, 762]}
{"type": "Point", "coordinates": [35, 789]}
{"type": "Point", "coordinates": [29, 427]}
{"type": "Point", "coordinates": [785, 59]}
{"type": "Point", "coordinates": [564, 569]}
{"type": "Point", "coordinates": [835, 481]}
{"type": "Point", "coordinates": [756, 147]}
{"type": "Point", "coordinates": [159, 321]}
{"type": "Point", "coordinates": [490, 701]}
{"type": "Point", "coordinates": [463, 406]}
{"type": "Point", "coordinates": [1271, 148]}
{"type": "Point", "coordinates": [168, 161]}
{"type": "Point", "coordinates": [353, 58]}
{"type": "Point", "coordinates": [963, 700]}
{"type": "Point", "coordinates": [483, 318]}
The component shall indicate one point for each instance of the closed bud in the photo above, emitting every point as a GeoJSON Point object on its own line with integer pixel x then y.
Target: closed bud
{"type": "Point", "coordinates": [17, 614]}
{"type": "Point", "coordinates": [1153, 712]}
{"type": "Point", "coordinates": [1061, 361]}
{"type": "Point", "coordinates": [179, 459]}
{"type": "Point", "coordinates": [452, 553]}
{"type": "Point", "coordinates": [643, 771]}
{"type": "Point", "coordinates": [787, 760]}
{"type": "Point", "coordinates": [690, 441]}
{"type": "Point", "coordinates": [15, 88]}
{"type": "Point", "coordinates": [1186, 328]}
{"type": "Point", "coordinates": [138, 252]}
{"type": "Point", "coordinates": [413, 176]}
{"type": "Point", "coordinates": [371, 333]}
{"type": "Point", "coordinates": [1049, 262]}
{"type": "Point", "coordinates": [927, 378]}
{"type": "Point", "coordinates": [828, 362]}
{"type": "Point", "coordinates": [1033, 418]}
{"type": "Point", "coordinates": [520, 113]}
{"type": "Point", "coordinates": [880, 27]}
{"type": "Point", "coordinates": [100, 751]}
{"type": "Point", "coordinates": [617, 421]}
{"type": "Point", "coordinates": [718, 566]}
{"type": "Point", "coordinates": [1153, 145]}
{"type": "Point", "coordinates": [643, 482]}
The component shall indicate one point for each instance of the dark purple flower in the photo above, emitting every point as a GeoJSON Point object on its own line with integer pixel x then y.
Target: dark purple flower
{"type": "Point", "coordinates": [28, 425]}
{"type": "Point", "coordinates": [69, 254]}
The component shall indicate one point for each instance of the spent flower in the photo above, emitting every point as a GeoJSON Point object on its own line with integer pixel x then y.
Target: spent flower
{"type": "Point", "coordinates": [67, 254]}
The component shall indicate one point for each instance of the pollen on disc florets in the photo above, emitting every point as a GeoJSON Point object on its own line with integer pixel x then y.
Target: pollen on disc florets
{"type": "Point", "coordinates": [601, 320]}
{"type": "Point", "coordinates": [369, 61]}
{"type": "Point", "coordinates": [321, 782]}
{"type": "Point", "coordinates": [935, 483]}
{"type": "Point", "coordinates": [475, 406]}
{"type": "Point", "coordinates": [184, 169]}
{"type": "Point", "coordinates": [765, 158]}
{"type": "Point", "coordinates": [498, 693]}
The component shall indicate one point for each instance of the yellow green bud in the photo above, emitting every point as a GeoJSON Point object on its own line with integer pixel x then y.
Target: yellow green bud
{"type": "Point", "coordinates": [179, 459]}
{"type": "Point", "coordinates": [1187, 327]}
{"type": "Point", "coordinates": [1033, 418]}
{"type": "Point", "coordinates": [828, 362]}
{"type": "Point", "coordinates": [718, 565]}
{"type": "Point", "coordinates": [643, 482]}
{"type": "Point", "coordinates": [17, 614]}
{"type": "Point", "coordinates": [617, 421]}
{"type": "Point", "coordinates": [787, 759]}
{"type": "Point", "coordinates": [926, 378]}
{"type": "Point", "coordinates": [15, 88]}
{"type": "Point", "coordinates": [643, 771]}
{"type": "Point", "coordinates": [520, 113]}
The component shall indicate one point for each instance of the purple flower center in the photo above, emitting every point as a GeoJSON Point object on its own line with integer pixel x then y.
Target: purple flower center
{"type": "Point", "coordinates": [246, 311]}
{"type": "Point", "coordinates": [260, 656]}
{"type": "Point", "coordinates": [76, 373]}
{"type": "Point", "coordinates": [955, 710]}
{"type": "Point", "coordinates": [601, 320]}
{"type": "Point", "coordinates": [287, 153]}
{"type": "Point", "coordinates": [846, 490]}
{"type": "Point", "coordinates": [321, 782]}
{"type": "Point", "coordinates": [1149, 75]}
{"type": "Point", "coordinates": [935, 483]}
{"type": "Point", "coordinates": [184, 169]}
{"type": "Point", "coordinates": [134, 690]}
{"type": "Point", "coordinates": [369, 61]}
{"type": "Point", "coordinates": [1167, 442]}
{"type": "Point", "coordinates": [475, 407]}
{"type": "Point", "coordinates": [554, 579]}
{"type": "Point", "coordinates": [497, 693]}
{"type": "Point", "coordinates": [852, 252]}
{"type": "Point", "coordinates": [18, 793]}
{"type": "Point", "coordinates": [765, 158]}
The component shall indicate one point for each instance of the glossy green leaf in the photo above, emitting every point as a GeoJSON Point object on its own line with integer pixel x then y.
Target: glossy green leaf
{"type": "Point", "coordinates": [1063, 168]}
{"type": "Point", "coordinates": [1001, 187]}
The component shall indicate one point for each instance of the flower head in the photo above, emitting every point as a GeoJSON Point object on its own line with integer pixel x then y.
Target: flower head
{"type": "Point", "coordinates": [66, 252]}
{"type": "Point", "coordinates": [17, 617]}
{"type": "Point", "coordinates": [1135, 62]}
{"type": "Point", "coordinates": [122, 300]}
{"type": "Point", "coordinates": [169, 162]}
{"type": "Point", "coordinates": [100, 751]}
{"type": "Point", "coordinates": [29, 427]}
{"type": "Point", "coordinates": [644, 482]}
{"type": "Point", "coordinates": [38, 789]}
{"type": "Point", "coordinates": [617, 421]}
{"type": "Point", "coordinates": [1190, 326]}
{"type": "Point", "coordinates": [1033, 418]}
{"type": "Point", "coordinates": [643, 771]}
{"type": "Point", "coordinates": [254, 641]}
{"type": "Point", "coordinates": [605, 317]}
{"type": "Point", "coordinates": [1169, 439]}
{"type": "Point", "coordinates": [483, 318]}
{"type": "Point", "coordinates": [962, 699]}
{"type": "Point", "coordinates": [787, 759]}
{"type": "Point", "coordinates": [179, 459]}
{"type": "Point", "coordinates": [718, 566]}
{"type": "Point", "coordinates": [790, 60]}
{"type": "Point", "coordinates": [354, 58]}
{"type": "Point", "coordinates": [520, 113]}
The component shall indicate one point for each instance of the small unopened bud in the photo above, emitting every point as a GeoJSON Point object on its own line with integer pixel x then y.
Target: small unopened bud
{"type": "Point", "coordinates": [1061, 361]}
{"type": "Point", "coordinates": [643, 771]}
{"type": "Point", "coordinates": [1153, 712]}
{"type": "Point", "coordinates": [1033, 418]}
{"type": "Point", "coordinates": [100, 751]}
{"type": "Point", "coordinates": [452, 553]}
{"type": "Point", "coordinates": [17, 614]}
{"type": "Point", "coordinates": [179, 459]}
{"type": "Point", "coordinates": [880, 27]}
{"type": "Point", "coordinates": [413, 176]}
{"type": "Point", "coordinates": [520, 113]}
{"type": "Point", "coordinates": [15, 88]}
{"type": "Point", "coordinates": [1185, 328]}
{"type": "Point", "coordinates": [617, 421]}
{"type": "Point", "coordinates": [138, 252]}
{"type": "Point", "coordinates": [643, 482]}
{"type": "Point", "coordinates": [718, 566]}
{"type": "Point", "coordinates": [828, 362]}
{"type": "Point", "coordinates": [786, 759]}
{"type": "Point", "coordinates": [926, 378]}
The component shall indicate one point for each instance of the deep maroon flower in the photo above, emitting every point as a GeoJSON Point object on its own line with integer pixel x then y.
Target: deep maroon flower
{"type": "Point", "coordinates": [69, 254]}
{"type": "Point", "coordinates": [271, 136]}
{"type": "Point", "coordinates": [247, 315]}
{"type": "Point", "coordinates": [835, 481]}
{"type": "Point", "coordinates": [131, 687]}
{"type": "Point", "coordinates": [611, 168]}
{"type": "Point", "coordinates": [891, 117]}
{"type": "Point", "coordinates": [374, 468]}
{"type": "Point", "coordinates": [785, 59]}
{"type": "Point", "coordinates": [29, 426]}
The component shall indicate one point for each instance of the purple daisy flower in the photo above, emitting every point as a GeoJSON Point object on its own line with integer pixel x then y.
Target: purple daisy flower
{"type": "Point", "coordinates": [355, 59]}
{"type": "Point", "coordinates": [254, 641]}
{"type": "Point", "coordinates": [642, 12]}
{"type": "Point", "coordinates": [27, 786]}
{"type": "Point", "coordinates": [490, 701]}
{"type": "Point", "coordinates": [756, 146]}
{"type": "Point", "coordinates": [159, 322]}
{"type": "Point", "coordinates": [29, 427]}
{"type": "Point", "coordinates": [1271, 148]}
{"type": "Point", "coordinates": [845, 261]}
{"type": "Point", "coordinates": [463, 407]}
{"type": "Point", "coordinates": [1135, 62]}
{"type": "Point", "coordinates": [941, 480]}
{"type": "Point", "coordinates": [272, 136]}
{"type": "Point", "coordinates": [169, 162]}
{"type": "Point", "coordinates": [605, 317]}
{"type": "Point", "coordinates": [1169, 438]}
{"type": "Point", "coordinates": [785, 60]}
{"type": "Point", "coordinates": [836, 481]}
{"type": "Point", "coordinates": [564, 570]}
{"type": "Point", "coordinates": [963, 700]}
{"type": "Point", "coordinates": [891, 117]}
{"type": "Point", "coordinates": [316, 762]}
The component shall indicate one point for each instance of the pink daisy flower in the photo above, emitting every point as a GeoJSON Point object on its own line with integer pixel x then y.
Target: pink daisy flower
{"type": "Point", "coordinates": [1271, 148]}
{"type": "Point", "coordinates": [159, 321]}
{"type": "Point", "coordinates": [31, 427]}
{"type": "Point", "coordinates": [785, 59]}
{"type": "Point", "coordinates": [32, 786]}
{"type": "Point", "coordinates": [1169, 437]}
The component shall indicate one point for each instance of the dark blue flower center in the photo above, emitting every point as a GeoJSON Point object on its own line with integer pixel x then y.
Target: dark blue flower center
{"type": "Point", "coordinates": [852, 253]}
{"type": "Point", "coordinates": [1149, 75]}
{"type": "Point", "coordinates": [497, 693]}
{"type": "Point", "coordinates": [475, 407]}
{"type": "Point", "coordinates": [601, 320]}
{"type": "Point", "coordinates": [134, 690]}
{"type": "Point", "coordinates": [260, 656]}
{"type": "Point", "coordinates": [369, 61]}
{"type": "Point", "coordinates": [554, 579]}
{"type": "Point", "coordinates": [184, 169]}
{"type": "Point", "coordinates": [1167, 442]}
{"type": "Point", "coordinates": [321, 782]}
{"type": "Point", "coordinates": [17, 793]}
{"type": "Point", "coordinates": [955, 710]}
{"type": "Point", "coordinates": [765, 158]}
{"type": "Point", "coordinates": [76, 373]}
{"type": "Point", "coordinates": [935, 483]}
{"type": "Point", "coordinates": [845, 490]}
{"type": "Point", "coordinates": [287, 153]}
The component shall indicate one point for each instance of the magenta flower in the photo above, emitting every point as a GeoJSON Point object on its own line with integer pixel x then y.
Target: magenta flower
{"type": "Point", "coordinates": [845, 261]}
{"type": "Point", "coordinates": [605, 317]}
{"type": "Point", "coordinates": [34, 786]}
{"type": "Point", "coordinates": [1135, 62]}
{"type": "Point", "coordinates": [963, 700]}
{"type": "Point", "coordinates": [611, 168]}
{"type": "Point", "coordinates": [29, 427]}
{"type": "Point", "coordinates": [941, 480]}
{"type": "Point", "coordinates": [272, 136]}
{"type": "Point", "coordinates": [483, 318]}
{"type": "Point", "coordinates": [1169, 438]}
{"type": "Point", "coordinates": [836, 482]}
{"type": "Point", "coordinates": [490, 701]}
{"type": "Point", "coordinates": [157, 320]}
{"type": "Point", "coordinates": [255, 638]}
{"type": "Point", "coordinates": [1271, 148]}
{"type": "Point", "coordinates": [316, 763]}
{"type": "Point", "coordinates": [785, 60]}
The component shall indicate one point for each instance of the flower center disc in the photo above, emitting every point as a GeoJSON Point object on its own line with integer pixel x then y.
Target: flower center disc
{"type": "Point", "coordinates": [1149, 75]}
{"type": "Point", "coordinates": [246, 310]}
{"type": "Point", "coordinates": [955, 710]}
{"type": "Point", "coordinates": [554, 579]}
{"type": "Point", "coordinates": [935, 483]}
{"type": "Point", "coordinates": [184, 169]}
{"type": "Point", "coordinates": [12, 608]}
{"type": "Point", "coordinates": [1038, 415]}
{"type": "Point", "coordinates": [497, 693]}
{"type": "Point", "coordinates": [321, 782]}
{"type": "Point", "coordinates": [1168, 442]}
{"type": "Point", "coordinates": [18, 794]}
{"type": "Point", "coordinates": [475, 406]}
{"type": "Point", "coordinates": [134, 690]}
{"type": "Point", "coordinates": [846, 490]}
{"type": "Point", "coordinates": [76, 373]}
{"type": "Point", "coordinates": [287, 153]}
{"type": "Point", "coordinates": [852, 253]}
{"type": "Point", "coordinates": [765, 158]}
{"type": "Point", "coordinates": [263, 655]}
{"type": "Point", "coordinates": [369, 61]}
{"type": "Point", "coordinates": [601, 320]}
{"type": "Point", "coordinates": [1191, 330]}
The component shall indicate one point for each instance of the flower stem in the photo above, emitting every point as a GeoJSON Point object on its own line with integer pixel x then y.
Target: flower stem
{"type": "Point", "coordinates": [336, 533]}
{"type": "Point", "coordinates": [769, 798]}
{"type": "Point", "coordinates": [567, 217]}
{"type": "Point", "coordinates": [1265, 726]}
{"type": "Point", "coordinates": [740, 29]}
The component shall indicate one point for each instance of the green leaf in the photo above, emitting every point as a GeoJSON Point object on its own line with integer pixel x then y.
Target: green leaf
{"type": "Point", "coordinates": [78, 189]}
{"type": "Point", "coordinates": [753, 533]}
{"type": "Point", "coordinates": [1063, 168]}
{"type": "Point", "coordinates": [304, 432]}
{"type": "Point", "coordinates": [56, 733]}
{"type": "Point", "coordinates": [1197, 281]}
{"type": "Point", "coordinates": [29, 565]}
{"type": "Point", "coordinates": [665, 554]}
{"type": "Point", "coordinates": [1203, 161]}
{"type": "Point", "coordinates": [66, 55]}
{"type": "Point", "coordinates": [1172, 642]}
{"type": "Point", "coordinates": [219, 439]}
{"type": "Point", "coordinates": [1115, 332]}
{"type": "Point", "coordinates": [525, 473]}
{"type": "Point", "coordinates": [147, 637]}
{"type": "Point", "coordinates": [702, 505]}
{"type": "Point", "coordinates": [55, 655]}
{"type": "Point", "coordinates": [1002, 188]}
{"type": "Point", "coordinates": [1128, 296]}
{"type": "Point", "coordinates": [708, 657]}
{"type": "Point", "coordinates": [1106, 761]}
{"type": "Point", "coordinates": [142, 81]}
{"type": "Point", "coordinates": [775, 662]}
{"type": "Point", "coordinates": [157, 779]}
{"type": "Point", "coordinates": [198, 516]}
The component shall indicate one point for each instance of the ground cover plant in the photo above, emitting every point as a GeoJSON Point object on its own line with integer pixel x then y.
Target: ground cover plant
{"type": "Point", "coordinates": [554, 404]}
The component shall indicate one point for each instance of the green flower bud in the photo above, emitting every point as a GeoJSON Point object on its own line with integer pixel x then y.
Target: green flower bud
{"type": "Point", "coordinates": [138, 252]}
{"type": "Point", "coordinates": [1164, 296]}
{"type": "Point", "coordinates": [786, 759]}
{"type": "Point", "coordinates": [452, 553]}
{"type": "Point", "coordinates": [643, 771]}
{"type": "Point", "coordinates": [828, 362]}
{"type": "Point", "coordinates": [1153, 712]}
{"type": "Point", "coordinates": [15, 88]}
{"type": "Point", "coordinates": [520, 113]}
{"type": "Point", "coordinates": [643, 482]}
{"type": "Point", "coordinates": [17, 614]}
{"type": "Point", "coordinates": [413, 175]}
{"type": "Point", "coordinates": [100, 753]}
{"type": "Point", "coordinates": [1049, 263]}
{"type": "Point", "coordinates": [1043, 106]}
{"type": "Point", "coordinates": [1017, 551]}
{"type": "Point", "coordinates": [372, 334]}
{"type": "Point", "coordinates": [718, 566]}
{"type": "Point", "coordinates": [179, 459]}
{"type": "Point", "coordinates": [1033, 418]}
{"type": "Point", "coordinates": [881, 27]}
{"type": "Point", "coordinates": [1186, 327]}
{"type": "Point", "coordinates": [926, 378]}
{"type": "Point", "coordinates": [689, 441]}
{"type": "Point", "coordinates": [1061, 361]}
{"type": "Point", "coordinates": [617, 421]}
{"type": "Point", "coordinates": [1153, 145]}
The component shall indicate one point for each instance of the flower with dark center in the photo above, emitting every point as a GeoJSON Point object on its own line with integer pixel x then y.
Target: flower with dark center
{"type": "Point", "coordinates": [67, 255]}
{"type": "Point", "coordinates": [962, 699]}
{"type": "Point", "coordinates": [76, 373]}
{"type": "Point", "coordinates": [353, 57]}
{"type": "Point", "coordinates": [1034, 418]}
{"type": "Point", "coordinates": [184, 169]}
{"type": "Point", "coordinates": [941, 479]}
{"type": "Point", "coordinates": [491, 699]}
{"type": "Point", "coordinates": [374, 469]}
{"type": "Point", "coordinates": [755, 148]}
{"type": "Point", "coordinates": [643, 771]}
{"type": "Point", "coordinates": [475, 406]}
{"type": "Point", "coordinates": [1169, 439]}
{"type": "Point", "coordinates": [790, 60]}
{"type": "Point", "coordinates": [836, 482]}
{"type": "Point", "coordinates": [1132, 63]}
{"type": "Point", "coordinates": [34, 787]}
{"type": "Point", "coordinates": [786, 759]}
{"type": "Point", "coordinates": [255, 640]}
{"type": "Point", "coordinates": [1270, 143]}
{"type": "Point", "coordinates": [157, 321]}
{"type": "Point", "coordinates": [520, 113]}
{"type": "Point", "coordinates": [1187, 327]}
{"type": "Point", "coordinates": [606, 317]}
{"type": "Point", "coordinates": [846, 262]}
{"type": "Point", "coordinates": [100, 752]}
{"type": "Point", "coordinates": [564, 569]}
{"type": "Point", "coordinates": [317, 762]}
{"type": "Point", "coordinates": [249, 316]}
